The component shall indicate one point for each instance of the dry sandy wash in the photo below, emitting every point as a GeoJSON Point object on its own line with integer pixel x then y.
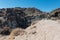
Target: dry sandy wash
{"type": "Point", "coordinates": [43, 30]}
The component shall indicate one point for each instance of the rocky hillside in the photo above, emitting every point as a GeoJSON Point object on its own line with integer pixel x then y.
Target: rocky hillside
{"type": "Point", "coordinates": [23, 17]}
{"type": "Point", "coordinates": [19, 17]}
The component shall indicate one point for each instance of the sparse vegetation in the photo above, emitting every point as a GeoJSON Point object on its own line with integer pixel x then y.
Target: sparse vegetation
{"type": "Point", "coordinates": [16, 32]}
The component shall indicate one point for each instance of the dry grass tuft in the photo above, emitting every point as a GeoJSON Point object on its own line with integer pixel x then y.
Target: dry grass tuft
{"type": "Point", "coordinates": [16, 32]}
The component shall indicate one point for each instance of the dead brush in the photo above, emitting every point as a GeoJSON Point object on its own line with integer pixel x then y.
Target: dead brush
{"type": "Point", "coordinates": [5, 31]}
{"type": "Point", "coordinates": [16, 32]}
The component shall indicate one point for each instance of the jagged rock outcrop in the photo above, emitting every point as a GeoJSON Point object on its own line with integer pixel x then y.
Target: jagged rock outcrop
{"type": "Point", "coordinates": [19, 17]}
{"type": "Point", "coordinates": [55, 14]}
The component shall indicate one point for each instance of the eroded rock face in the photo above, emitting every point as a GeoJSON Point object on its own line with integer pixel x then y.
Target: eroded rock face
{"type": "Point", "coordinates": [55, 13]}
{"type": "Point", "coordinates": [19, 17]}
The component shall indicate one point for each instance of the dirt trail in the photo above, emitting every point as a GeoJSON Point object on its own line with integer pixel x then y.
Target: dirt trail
{"type": "Point", "coordinates": [43, 30]}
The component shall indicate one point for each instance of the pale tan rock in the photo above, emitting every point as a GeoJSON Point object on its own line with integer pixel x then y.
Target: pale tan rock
{"type": "Point", "coordinates": [44, 30]}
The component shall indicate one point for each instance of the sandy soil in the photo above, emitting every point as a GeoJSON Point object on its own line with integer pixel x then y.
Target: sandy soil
{"type": "Point", "coordinates": [43, 30]}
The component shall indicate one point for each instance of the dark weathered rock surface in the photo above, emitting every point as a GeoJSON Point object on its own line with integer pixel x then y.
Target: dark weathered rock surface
{"type": "Point", "coordinates": [19, 17]}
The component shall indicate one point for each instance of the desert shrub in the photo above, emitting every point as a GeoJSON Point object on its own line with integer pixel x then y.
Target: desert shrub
{"type": "Point", "coordinates": [5, 31]}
